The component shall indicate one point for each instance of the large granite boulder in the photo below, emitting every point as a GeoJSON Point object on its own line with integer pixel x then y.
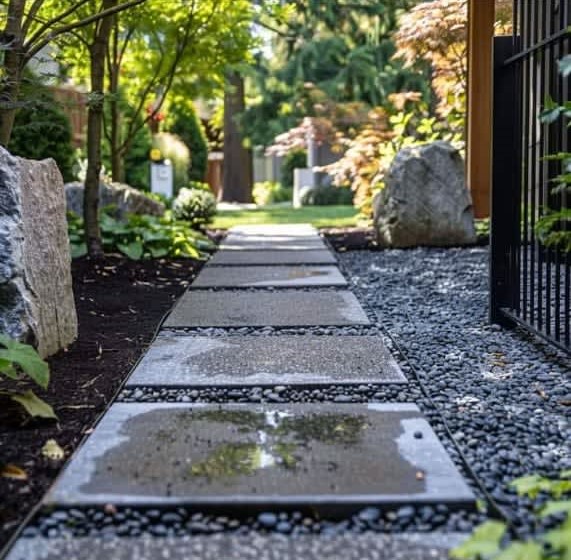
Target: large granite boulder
{"type": "Point", "coordinates": [36, 297]}
{"type": "Point", "coordinates": [425, 200]}
{"type": "Point", "coordinates": [124, 198]}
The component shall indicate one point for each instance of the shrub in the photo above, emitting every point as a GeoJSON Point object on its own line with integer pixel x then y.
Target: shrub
{"type": "Point", "coordinates": [293, 160]}
{"type": "Point", "coordinates": [196, 206]}
{"type": "Point", "coordinates": [174, 149]}
{"type": "Point", "coordinates": [136, 162]}
{"type": "Point", "coordinates": [199, 185]}
{"type": "Point", "coordinates": [42, 130]}
{"type": "Point", "coordinates": [269, 192]}
{"type": "Point", "coordinates": [18, 360]}
{"type": "Point", "coordinates": [184, 122]}
{"type": "Point", "coordinates": [142, 237]}
{"type": "Point", "coordinates": [328, 195]}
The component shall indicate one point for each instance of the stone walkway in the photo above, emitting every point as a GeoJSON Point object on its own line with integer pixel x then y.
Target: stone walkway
{"type": "Point", "coordinates": [270, 311]}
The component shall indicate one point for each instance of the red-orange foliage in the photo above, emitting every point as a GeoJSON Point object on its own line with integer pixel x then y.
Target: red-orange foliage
{"type": "Point", "coordinates": [436, 31]}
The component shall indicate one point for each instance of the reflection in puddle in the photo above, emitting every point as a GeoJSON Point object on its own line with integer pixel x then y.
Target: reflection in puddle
{"type": "Point", "coordinates": [280, 437]}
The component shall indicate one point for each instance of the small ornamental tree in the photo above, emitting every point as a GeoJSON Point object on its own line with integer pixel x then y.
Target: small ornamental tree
{"type": "Point", "coordinates": [436, 32]}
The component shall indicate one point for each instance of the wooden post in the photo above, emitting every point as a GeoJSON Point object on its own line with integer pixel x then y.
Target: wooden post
{"type": "Point", "coordinates": [479, 104]}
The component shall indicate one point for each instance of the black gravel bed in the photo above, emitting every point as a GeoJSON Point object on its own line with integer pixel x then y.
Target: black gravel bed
{"type": "Point", "coordinates": [110, 521]}
{"type": "Point", "coordinates": [338, 393]}
{"type": "Point", "coordinates": [356, 330]}
{"type": "Point", "coordinates": [504, 394]}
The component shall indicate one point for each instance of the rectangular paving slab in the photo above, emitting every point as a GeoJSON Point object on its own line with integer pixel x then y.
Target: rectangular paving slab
{"type": "Point", "coordinates": [268, 257]}
{"type": "Point", "coordinates": [253, 546]}
{"type": "Point", "coordinates": [277, 242]}
{"type": "Point", "coordinates": [299, 455]}
{"type": "Point", "coordinates": [180, 360]}
{"type": "Point", "coordinates": [258, 309]}
{"type": "Point", "coordinates": [273, 229]}
{"type": "Point", "coordinates": [305, 276]}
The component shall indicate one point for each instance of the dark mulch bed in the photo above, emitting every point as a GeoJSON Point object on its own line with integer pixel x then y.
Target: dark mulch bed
{"type": "Point", "coordinates": [350, 239]}
{"type": "Point", "coordinates": [120, 303]}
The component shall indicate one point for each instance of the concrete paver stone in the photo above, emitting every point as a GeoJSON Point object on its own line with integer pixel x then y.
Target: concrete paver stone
{"type": "Point", "coordinates": [180, 360]}
{"type": "Point", "coordinates": [332, 459]}
{"type": "Point", "coordinates": [254, 309]}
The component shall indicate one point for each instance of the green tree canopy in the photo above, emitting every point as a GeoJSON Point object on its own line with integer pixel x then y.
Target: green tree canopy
{"type": "Point", "coordinates": [341, 50]}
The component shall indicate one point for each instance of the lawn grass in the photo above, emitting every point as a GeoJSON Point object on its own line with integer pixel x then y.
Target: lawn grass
{"type": "Point", "coordinates": [319, 216]}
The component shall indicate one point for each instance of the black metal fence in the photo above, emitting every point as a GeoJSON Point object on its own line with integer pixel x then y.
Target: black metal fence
{"type": "Point", "coordinates": [530, 282]}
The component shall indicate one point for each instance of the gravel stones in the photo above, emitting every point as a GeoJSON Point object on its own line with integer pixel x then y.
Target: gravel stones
{"type": "Point", "coordinates": [500, 391]}
{"type": "Point", "coordinates": [253, 546]}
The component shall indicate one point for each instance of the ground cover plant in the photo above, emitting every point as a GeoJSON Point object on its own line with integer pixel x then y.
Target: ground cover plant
{"type": "Point", "coordinates": [142, 237]}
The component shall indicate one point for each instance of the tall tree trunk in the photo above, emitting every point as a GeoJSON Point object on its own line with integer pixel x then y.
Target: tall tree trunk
{"type": "Point", "coordinates": [97, 52]}
{"type": "Point", "coordinates": [11, 39]}
{"type": "Point", "coordinates": [237, 174]}
{"type": "Point", "coordinates": [113, 66]}
{"type": "Point", "coordinates": [117, 171]}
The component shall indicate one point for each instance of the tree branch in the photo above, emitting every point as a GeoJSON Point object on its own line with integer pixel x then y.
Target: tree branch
{"type": "Point", "coordinates": [42, 42]}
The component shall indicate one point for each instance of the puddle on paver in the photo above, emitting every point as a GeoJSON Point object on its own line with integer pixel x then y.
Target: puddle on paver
{"type": "Point", "coordinates": [307, 454]}
{"type": "Point", "coordinates": [183, 360]}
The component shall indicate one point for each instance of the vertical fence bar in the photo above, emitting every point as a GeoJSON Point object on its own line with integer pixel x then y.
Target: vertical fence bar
{"type": "Point", "coordinates": [505, 181]}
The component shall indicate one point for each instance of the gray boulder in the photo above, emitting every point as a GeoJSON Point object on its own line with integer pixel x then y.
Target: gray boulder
{"type": "Point", "coordinates": [126, 199]}
{"type": "Point", "coordinates": [36, 296]}
{"type": "Point", "coordinates": [425, 200]}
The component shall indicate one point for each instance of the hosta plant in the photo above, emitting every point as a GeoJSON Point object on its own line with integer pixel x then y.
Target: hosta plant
{"type": "Point", "coordinates": [18, 361]}
{"type": "Point", "coordinates": [142, 237]}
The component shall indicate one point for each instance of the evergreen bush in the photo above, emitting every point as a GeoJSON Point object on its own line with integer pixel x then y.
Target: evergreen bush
{"type": "Point", "coordinates": [42, 130]}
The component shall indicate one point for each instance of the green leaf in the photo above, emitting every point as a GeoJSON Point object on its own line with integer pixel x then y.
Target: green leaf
{"type": "Point", "coordinates": [560, 539]}
{"type": "Point", "coordinates": [78, 250]}
{"type": "Point", "coordinates": [521, 551]}
{"type": "Point", "coordinates": [530, 485]}
{"type": "Point", "coordinates": [133, 250]}
{"type": "Point", "coordinates": [7, 369]}
{"type": "Point", "coordinates": [555, 507]}
{"type": "Point", "coordinates": [485, 541]}
{"type": "Point", "coordinates": [26, 358]}
{"type": "Point", "coordinates": [565, 474]}
{"type": "Point", "coordinates": [549, 116]}
{"type": "Point", "coordinates": [158, 252]}
{"type": "Point", "coordinates": [565, 65]}
{"type": "Point", "coordinates": [34, 406]}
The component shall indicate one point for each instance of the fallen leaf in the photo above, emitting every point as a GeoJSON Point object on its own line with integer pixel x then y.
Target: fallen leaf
{"type": "Point", "coordinates": [33, 405]}
{"type": "Point", "coordinates": [14, 472]}
{"type": "Point", "coordinates": [52, 450]}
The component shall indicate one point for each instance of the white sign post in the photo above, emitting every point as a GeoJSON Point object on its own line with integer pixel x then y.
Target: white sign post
{"type": "Point", "coordinates": [162, 178]}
